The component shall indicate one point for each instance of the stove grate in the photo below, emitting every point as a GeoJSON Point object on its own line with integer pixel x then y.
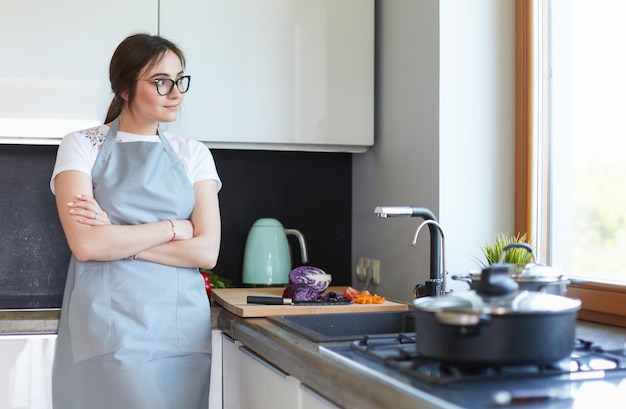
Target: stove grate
{"type": "Point", "coordinates": [399, 352]}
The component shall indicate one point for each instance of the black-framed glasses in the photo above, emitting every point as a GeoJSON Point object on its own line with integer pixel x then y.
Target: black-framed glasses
{"type": "Point", "coordinates": [165, 86]}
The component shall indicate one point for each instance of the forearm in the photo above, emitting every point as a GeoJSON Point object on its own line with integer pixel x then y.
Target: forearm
{"type": "Point", "coordinates": [89, 232]}
{"type": "Point", "coordinates": [114, 242]}
{"type": "Point", "coordinates": [199, 252]}
{"type": "Point", "coordinates": [202, 250]}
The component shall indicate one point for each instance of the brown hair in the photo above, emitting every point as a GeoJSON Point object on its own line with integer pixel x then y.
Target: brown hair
{"type": "Point", "coordinates": [131, 57]}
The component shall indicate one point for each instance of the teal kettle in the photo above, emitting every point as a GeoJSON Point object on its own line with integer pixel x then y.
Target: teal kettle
{"type": "Point", "coordinates": [267, 258]}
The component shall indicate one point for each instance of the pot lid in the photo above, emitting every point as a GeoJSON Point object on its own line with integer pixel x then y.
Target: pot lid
{"type": "Point", "coordinates": [539, 272]}
{"type": "Point", "coordinates": [536, 273]}
{"type": "Point", "coordinates": [520, 302]}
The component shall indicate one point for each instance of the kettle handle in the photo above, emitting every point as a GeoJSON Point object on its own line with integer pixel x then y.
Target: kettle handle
{"type": "Point", "coordinates": [300, 237]}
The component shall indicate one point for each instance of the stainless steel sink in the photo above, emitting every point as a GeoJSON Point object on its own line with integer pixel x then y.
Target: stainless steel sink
{"type": "Point", "coordinates": [346, 327]}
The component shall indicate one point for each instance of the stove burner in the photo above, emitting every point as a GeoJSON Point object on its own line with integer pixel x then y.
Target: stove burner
{"type": "Point", "coordinates": [399, 351]}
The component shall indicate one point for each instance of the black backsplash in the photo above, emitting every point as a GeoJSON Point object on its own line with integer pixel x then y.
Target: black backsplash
{"type": "Point", "coordinates": [311, 192]}
{"type": "Point", "coordinates": [308, 191]}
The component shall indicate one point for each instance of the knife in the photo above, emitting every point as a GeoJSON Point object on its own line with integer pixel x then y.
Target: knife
{"type": "Point", "coordinates": [255, 299]}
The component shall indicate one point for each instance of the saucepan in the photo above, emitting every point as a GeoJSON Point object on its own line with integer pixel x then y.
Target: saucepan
{"type": "Point", "coordinates": [530, 277]}
{"type": "Point", "coordinates": [496, 324]}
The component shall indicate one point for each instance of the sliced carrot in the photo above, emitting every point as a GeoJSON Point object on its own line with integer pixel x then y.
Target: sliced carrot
{"type": "Point", "coordinates": [368, 299]}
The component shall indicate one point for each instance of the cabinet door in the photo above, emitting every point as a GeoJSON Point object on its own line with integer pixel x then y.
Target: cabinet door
{"type": "Point", "coordinates": [55, 61]}
{"type": "Point", "coordinates": [26, 371]}
{"type": "Point", "coordinates": [312, 400]}
{"type": "Point", "coordinates": [215, 393]}
{"type": "Point", "coordinates": [231, 373]}
{"type": "Point", "coordinates": [276, 72]}
{"type": "Point", "coordinates": [265, 386]}
{"type": "Point", "coordinates": [251, 382]}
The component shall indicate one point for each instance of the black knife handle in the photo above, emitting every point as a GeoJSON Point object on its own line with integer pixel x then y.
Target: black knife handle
{"type": "Point", "coordinates": [255, 299]}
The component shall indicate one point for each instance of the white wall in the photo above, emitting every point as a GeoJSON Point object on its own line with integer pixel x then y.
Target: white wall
{"type": "Point", "coordinates": [444, 136]}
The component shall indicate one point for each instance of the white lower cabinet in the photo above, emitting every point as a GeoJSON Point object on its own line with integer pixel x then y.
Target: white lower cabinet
{"type": "Point", "coordinates": [251, 382]}
{"type": "Point", "coordinates": [312, 400]}
{"type": "Point", "coordinates": [215, 392]}
{"type": "Point", "coordinates": [26, 371]}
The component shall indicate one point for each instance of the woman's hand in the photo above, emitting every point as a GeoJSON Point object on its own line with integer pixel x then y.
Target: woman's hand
{"type": "Point", "coordinates": [88, 211]}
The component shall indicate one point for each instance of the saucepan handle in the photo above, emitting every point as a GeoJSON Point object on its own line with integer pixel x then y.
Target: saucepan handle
{"type": "Point", "coordinates": [463, 277]}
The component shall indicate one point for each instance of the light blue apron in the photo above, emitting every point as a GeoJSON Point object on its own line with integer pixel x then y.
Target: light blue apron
{"type": "Point", "coordinates": [134, 334]}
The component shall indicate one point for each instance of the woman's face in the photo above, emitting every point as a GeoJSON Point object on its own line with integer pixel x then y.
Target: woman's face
{"type": "Point", "coordinates": [148, 105]}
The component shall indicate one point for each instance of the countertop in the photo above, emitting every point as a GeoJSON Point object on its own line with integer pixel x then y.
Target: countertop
{"type": "Point", "coordinates": [28, 321]}
{"type": "Point", "coordinates": [345, 385]}
{"type": "Point", "coordinates": [46, 321]}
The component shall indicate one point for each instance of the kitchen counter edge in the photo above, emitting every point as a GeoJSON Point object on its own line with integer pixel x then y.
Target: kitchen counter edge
{"type": "Point", "coordinates": [46, 321]}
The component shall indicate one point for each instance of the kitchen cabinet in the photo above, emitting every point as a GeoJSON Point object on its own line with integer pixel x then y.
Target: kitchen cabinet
{"type": "Point", "coordinates": [231, 373]}
{"type": "Point", "coordinates": [26, 371]}
{"type": "Point", "coordinates": [55, 61]}
{"type": "Point", "coordinates": [313, 400]}
{"type": "Point", "coordinates": [215, 392]}
{"type": "Point", "coordinates": [251, 382]}
{"type": "Point", "coordinates": [270, 74]}
{"type": "Point", "coordinates": [277, 73]}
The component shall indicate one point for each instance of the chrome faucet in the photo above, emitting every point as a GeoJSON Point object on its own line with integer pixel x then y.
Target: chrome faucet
{"type": "Point", "coordinates": [435, 284]}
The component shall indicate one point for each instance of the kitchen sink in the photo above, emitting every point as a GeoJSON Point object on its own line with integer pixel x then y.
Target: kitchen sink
{"type": "Point", "coordinates": [346, 327]}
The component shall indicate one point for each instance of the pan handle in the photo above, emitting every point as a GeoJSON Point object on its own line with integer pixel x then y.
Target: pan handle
{"type": "Point", "coordinates": [463, 277]}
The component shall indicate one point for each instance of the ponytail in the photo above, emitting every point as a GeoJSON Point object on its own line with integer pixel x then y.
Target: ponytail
{"type": "Point", "coordinates": [115, 109]}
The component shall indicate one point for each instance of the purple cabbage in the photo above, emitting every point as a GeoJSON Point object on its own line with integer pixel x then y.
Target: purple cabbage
{"type": "Point", "coordinates": [313, 277]}
{"type": "Point", "coordinates": [301, 292]}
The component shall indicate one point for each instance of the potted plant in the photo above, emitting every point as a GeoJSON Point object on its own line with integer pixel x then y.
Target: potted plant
{"type": "Point", "coordinates": [519, 256]}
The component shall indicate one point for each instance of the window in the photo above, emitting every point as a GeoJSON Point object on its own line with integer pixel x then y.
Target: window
{"type": "Point", "coordinates": [570, 171]}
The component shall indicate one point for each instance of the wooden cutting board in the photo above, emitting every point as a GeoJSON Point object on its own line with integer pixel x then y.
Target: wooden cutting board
{"type": "Point", "coordinates": [234, 300]}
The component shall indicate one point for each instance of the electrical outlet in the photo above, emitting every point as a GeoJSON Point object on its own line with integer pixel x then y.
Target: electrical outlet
{"type": "Point", "coordinates": [361, 269]}
{"type": "Point", "coordinates": [375, 266]}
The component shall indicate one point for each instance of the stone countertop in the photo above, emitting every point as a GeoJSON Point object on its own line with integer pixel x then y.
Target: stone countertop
{"type": "Point", "coordinates": [23, 322]}
{"type": "Point", "coordinates": [350, 387]}
{"type": "Point", "coordinates": [46, 321]}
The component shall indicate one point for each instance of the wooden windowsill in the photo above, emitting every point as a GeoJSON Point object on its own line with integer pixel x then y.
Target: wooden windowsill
{"type": "Point", "coordinates": [602, 302]}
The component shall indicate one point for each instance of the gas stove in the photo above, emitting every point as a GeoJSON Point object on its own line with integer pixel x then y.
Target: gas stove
{"type": "Point", "coordinates": [575, 382]}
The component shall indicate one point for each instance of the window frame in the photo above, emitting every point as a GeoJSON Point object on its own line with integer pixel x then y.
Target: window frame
{"type": "Point", "coordinates": [601, 301]}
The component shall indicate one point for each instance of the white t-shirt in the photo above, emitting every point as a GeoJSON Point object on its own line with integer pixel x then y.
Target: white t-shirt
{"type": "Point", "coordinates": [78, 151]}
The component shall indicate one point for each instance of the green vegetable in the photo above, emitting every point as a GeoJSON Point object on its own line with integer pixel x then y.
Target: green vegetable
{"type": "Point", "coordinates": [217, 281]}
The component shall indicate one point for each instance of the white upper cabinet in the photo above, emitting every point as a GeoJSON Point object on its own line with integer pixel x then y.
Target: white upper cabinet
{"type": "Point", "coordinates": [54, 61]}
{"type": "Point", "coordinates": [276, 74]}
{"type": "Point", "coordinates": [266, 74]}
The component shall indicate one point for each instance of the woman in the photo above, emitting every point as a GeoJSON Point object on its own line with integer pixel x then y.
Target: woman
{"type": "Point", "coordinates": [139, 208]}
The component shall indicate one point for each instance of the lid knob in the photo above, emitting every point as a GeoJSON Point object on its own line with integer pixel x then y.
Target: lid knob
{"type": "Point", "coordinates": [495, 281]}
